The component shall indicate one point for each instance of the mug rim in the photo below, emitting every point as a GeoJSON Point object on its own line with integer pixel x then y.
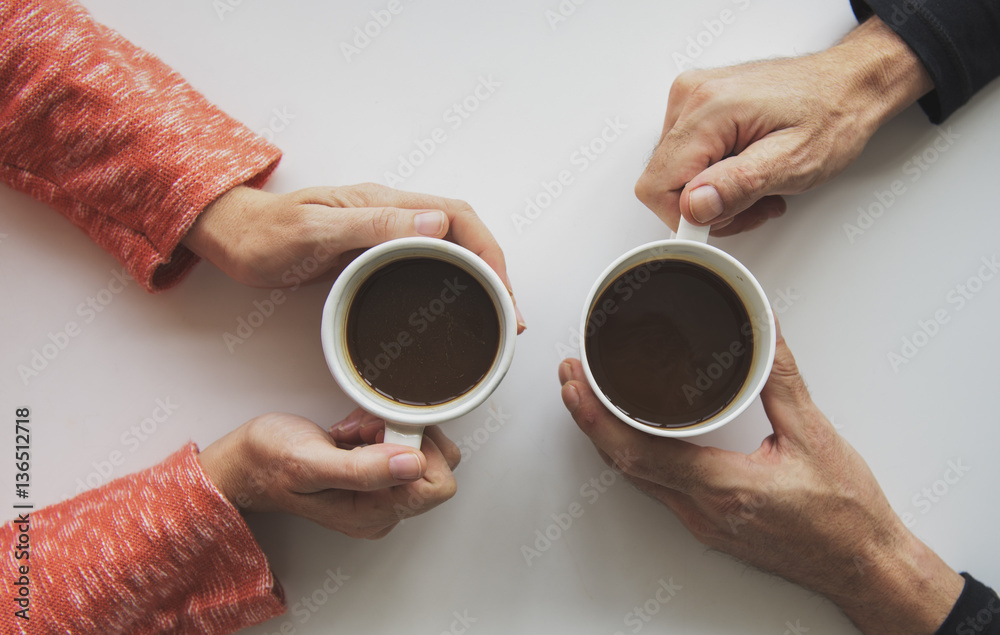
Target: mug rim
{"type": "Point", "coordinates": [337, 305]}
{"type": "Point", "coordinates": [749, 392]}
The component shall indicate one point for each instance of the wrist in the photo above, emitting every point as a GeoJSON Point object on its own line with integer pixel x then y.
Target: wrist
{"type": "Point", "coordinates": [218, 462]}
{"type": "Point", "coordinates": [906, 589]}
{"type": "Point", "coordinates": [222, 231]}
{"type": "Point", "coordinates": [883, 72]}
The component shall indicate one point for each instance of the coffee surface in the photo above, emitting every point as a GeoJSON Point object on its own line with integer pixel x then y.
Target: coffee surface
{"type": "Point", "coordinates": [422, 331]}
{"type": "Point", "coordinates": [670, 343]}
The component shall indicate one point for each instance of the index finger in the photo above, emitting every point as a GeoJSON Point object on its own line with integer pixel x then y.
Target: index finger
{"type": "Point", "coordinates": [685, 151]}
{"type": "Point", "coordinates": [672, 463]}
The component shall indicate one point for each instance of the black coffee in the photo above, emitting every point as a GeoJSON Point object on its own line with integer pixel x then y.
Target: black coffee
{"type": "Point", "coordinates": [422, 331]}
{"type": "Point", "coordinates": [670, 343]}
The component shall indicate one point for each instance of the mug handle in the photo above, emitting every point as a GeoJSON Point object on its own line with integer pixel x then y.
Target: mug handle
{"type": "Point", "coordinates": [401, 434]}
{"type": "Point", "coordinates": [687, 231]}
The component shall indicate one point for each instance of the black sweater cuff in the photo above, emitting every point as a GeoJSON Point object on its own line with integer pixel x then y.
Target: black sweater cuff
{"type": "Point", "coordinates": [977, 611]}
{"type": "Point", "coordinates": [958, 42]}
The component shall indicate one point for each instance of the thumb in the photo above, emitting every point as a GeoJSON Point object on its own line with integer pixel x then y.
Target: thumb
{"type": "Point", "coordinates": [734, 184]}
{"type": "Point", "coordinates": [363, 469]}
{"type": "Point", "coordinates": [360, 228]}
{"type": "Point", "coordinates": [786, 398]}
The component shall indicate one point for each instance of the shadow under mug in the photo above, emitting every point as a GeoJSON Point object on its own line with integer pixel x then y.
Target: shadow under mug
{"type": "Point", "coordinates": [690, 245]}
{"type": "Point", "coordinates": [404, 422]}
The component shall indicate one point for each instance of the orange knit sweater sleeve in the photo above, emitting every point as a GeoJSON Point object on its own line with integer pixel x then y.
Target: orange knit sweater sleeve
{"type": "Point", "coordinates": [160, 551]}
{"type": "Point", "coordinates": [113, 138]}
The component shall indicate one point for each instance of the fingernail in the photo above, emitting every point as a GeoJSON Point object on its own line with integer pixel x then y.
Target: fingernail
{"type": "Point", "coordinates": [405, 467]}
{"type": "Point", "coordinates": [777, 328]}
{"type": "Point", "coordinates": [571, 397]}
{"type": "Point", "coordinates": [429, 223]}
{"type": "Point", "coordinates": [565, 372]}
{"type": "Point", "coordinates": [349, 424]}
{"type": "Point", "coordinates": [520, 318]}
{"type": "Point", "coordinates": [706, 204]}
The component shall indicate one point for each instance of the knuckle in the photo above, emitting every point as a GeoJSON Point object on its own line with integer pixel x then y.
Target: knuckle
{"type": "Point", "coordinates": [382, 221]}
{"type": "Point", "coordinates": [349, 196]}
{"type": "Point", "coordinates": [369, 189]}
{"type": "Point", "coordinates": [293, 466]}
{"type": "Point", "coordinates": [357, 533]}
{"type": "Point", "coordinates": [360, 195]}
{"type": "Point", "coordinates": [684, 83]}
{"type": "Point", "coordinates": [453, 455]}
{"type": "Point", "coordinates": [360, 476]}
{"type": "Point", "coordinates": [431, 494]}
{"type": "Point", "coordinates": [747, 180]}
{"type": "Point", "coordinates": [705, 92]}
{"type": "Point", "coordinates": [645, 188]}
{"type": "Point", "coordinates": [448, 489]}
{"type": "Point", "coordinates": [459, 206]}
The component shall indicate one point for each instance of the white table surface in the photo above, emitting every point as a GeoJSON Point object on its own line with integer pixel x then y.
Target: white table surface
{"type": "Point", "coordinates": [851, 303]}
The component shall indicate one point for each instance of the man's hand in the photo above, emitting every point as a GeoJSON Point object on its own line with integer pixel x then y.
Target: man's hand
{"type": "Point", "coordinates": [282, 240]}
{"type": "Point", "coordinates": [804, 505]}
{"type": "Point", "coordinates": [736, 139]}
{"type": "Point", "coordinates": [340, 479]}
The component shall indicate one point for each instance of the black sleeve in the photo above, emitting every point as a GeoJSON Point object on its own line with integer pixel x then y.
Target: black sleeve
{"type": "Point", "coordinates": [977, 611]}
{"type": "Point", "coordinates": [958, 42]}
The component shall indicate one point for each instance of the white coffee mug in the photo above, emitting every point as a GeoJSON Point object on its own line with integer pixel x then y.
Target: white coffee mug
{"type": "Point", "coordinates": [690, 245]}
{"type": "Point", "coordinates": [405, 423]}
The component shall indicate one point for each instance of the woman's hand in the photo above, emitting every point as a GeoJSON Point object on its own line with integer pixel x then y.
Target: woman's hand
{"type": "Point", "coordinates": [341, 479]}
{"type": "Point", "coordinates": [283, 240]}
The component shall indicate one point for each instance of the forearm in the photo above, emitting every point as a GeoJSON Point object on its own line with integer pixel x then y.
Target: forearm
{"type": "Point", "coordinates": [156, 551]}
{"type": "Point", "coordinates": [883, 70]}
{"type": "Point", "coordinates": [113, 138]}
{"type": "Point", "coordinates": [901, 587]}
